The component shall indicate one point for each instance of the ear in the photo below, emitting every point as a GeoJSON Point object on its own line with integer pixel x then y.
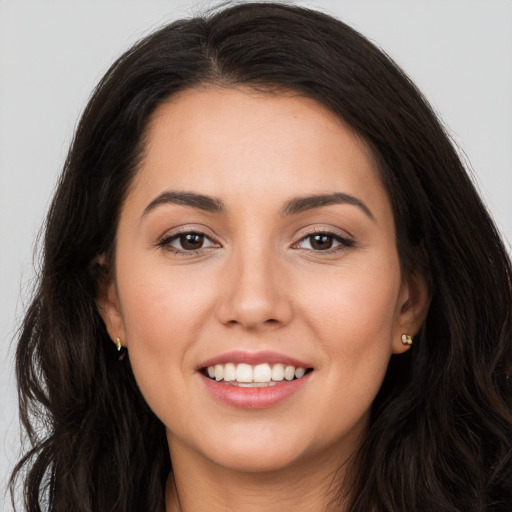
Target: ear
{"type": "Point", "coordinates": [412, 309]}
{"type": "Point", "coordinates": [108, 303]}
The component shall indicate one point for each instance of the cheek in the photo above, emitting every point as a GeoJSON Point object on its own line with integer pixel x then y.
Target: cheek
{"type": "Point", "coordinates": [353, 321]}
{"type": "Point", "coordinates": [163, 315]}
{"type": "Point", "coordinates": [353, 316]}
{"type": "Point", "coordinates": [355, 307]}
{"type": "Point", "coordinates": [157, 304]}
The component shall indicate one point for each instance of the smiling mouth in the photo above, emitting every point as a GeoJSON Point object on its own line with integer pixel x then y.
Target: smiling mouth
{"type": "Point", "coordinates": [254, 376]}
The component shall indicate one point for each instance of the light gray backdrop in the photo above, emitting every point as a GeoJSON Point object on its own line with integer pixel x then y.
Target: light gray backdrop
{"type": "Point", "coordinates": [53, 52]}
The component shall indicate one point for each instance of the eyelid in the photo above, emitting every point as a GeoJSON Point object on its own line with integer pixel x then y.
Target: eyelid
{"type": "Point", "coordinates": [345, 239]}
{"type": "Point", "coordinates": [177, 236]}
{"type": "Point", "coordinates": [327, 229]}
{"type": "Point", "coordinates": [163, 242]}
{"type": "Point", "coordinates": [188, 228]}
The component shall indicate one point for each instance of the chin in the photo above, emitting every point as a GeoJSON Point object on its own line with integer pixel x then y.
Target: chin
{"type": "Point", "coordinates": [254, 461]}
{"type": "Point", "coordinates": [256, 453]}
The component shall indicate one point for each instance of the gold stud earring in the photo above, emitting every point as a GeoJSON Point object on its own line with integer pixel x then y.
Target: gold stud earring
{"type": "Point", "coordinates": [407, 339]}
{"type": "Point", "coordinates": [118, 344]}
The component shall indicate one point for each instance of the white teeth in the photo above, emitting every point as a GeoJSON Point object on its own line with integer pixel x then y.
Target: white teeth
{"type": "Point", "coordinates": [278, 372]}
{"type": "Point", "coordinates": [255, 384]}
{"type": "Point", "coordinates": [261, 375]}
{"type": "Point", "coordinates": [244, 373]}
{"type": "Point", "coordinates": [219, 372]}
{"type": "Point", "coordinates": [299, 372]}
{"type": "Point", "coordinates": [229, 372]}
{"type": "Point", "coordinates": [289, 372]}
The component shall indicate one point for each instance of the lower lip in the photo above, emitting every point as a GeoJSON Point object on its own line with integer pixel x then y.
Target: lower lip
{"type": "Point", "coordinates": [254, 398]}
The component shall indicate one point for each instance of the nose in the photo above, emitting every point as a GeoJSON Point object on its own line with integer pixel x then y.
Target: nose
{"type": "Point", "coordinates": [253, 293]}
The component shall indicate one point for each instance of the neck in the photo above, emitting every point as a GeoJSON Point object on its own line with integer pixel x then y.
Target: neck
{"type": "Point", "coordinates": [197, 485]}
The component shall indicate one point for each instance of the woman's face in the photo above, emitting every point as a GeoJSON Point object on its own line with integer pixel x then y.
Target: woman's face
{"type": "Point", "coordinates": [256, 237]}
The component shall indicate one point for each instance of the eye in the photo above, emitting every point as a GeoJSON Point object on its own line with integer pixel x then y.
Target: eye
{"type": "Point", "coordinates": [323, 242]}
{"type": "Point", "coordinates": [187, 242]}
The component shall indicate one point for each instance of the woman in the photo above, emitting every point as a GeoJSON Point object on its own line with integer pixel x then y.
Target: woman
{"type": "Point", "coordinates": [262, 288]}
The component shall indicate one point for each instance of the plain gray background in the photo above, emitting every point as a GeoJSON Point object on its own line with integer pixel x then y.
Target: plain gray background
{"type": "Point", "coordinates": [52, 53]}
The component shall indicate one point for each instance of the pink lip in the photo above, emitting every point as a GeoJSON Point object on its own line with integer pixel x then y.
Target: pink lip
{"type": "Point", "coordinates": [253, 358]}
{"type": "Point", "coordinates": [253, 398]}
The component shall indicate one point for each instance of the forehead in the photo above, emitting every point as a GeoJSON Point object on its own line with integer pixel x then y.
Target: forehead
{"type": "Point", "coordinates": [245, 143]}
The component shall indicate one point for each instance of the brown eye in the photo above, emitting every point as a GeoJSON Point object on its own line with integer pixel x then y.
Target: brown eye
{"type": "Point", "coordinates": [321, 242]}
{"type": "Point", "coordinates": [187, 242]}
{"type": "Point", "coordinates": [191, 241]}
{"type": "Point", "coordinates": [324, 242]}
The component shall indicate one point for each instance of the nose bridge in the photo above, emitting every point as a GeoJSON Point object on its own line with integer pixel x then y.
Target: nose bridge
{"type": "Point", "coordinates": [253, 292]}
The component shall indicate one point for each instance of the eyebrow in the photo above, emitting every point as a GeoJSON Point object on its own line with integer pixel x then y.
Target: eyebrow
{"type": "Point", "coordinates": [293, 207]}
{"type": "Point", "coordinates": [301, 204]}
{"type": "Point", "coordinates": [200, 201]}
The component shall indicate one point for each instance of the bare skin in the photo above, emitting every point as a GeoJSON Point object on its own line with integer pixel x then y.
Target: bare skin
{"type": "Point", "coordinates": [300, 489]}
{"type": "Point", "coordinates": [257, 223]}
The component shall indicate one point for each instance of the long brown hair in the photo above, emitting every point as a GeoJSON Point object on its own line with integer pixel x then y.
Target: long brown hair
{"type": "Point", "coordinates": [441, 430]}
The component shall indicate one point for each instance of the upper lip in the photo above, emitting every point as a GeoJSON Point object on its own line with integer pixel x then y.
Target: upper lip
{"type": "Point", "coordinates": [253, 358]}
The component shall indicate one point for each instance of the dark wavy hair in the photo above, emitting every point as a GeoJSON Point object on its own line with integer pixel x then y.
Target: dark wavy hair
{"type": "Point", "coordinates": [440, 437]}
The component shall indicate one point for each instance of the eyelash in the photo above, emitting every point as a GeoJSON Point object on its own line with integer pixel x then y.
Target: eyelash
{"type": "Point", "coordinates": [344, 243]}
{"type": "Point", "coordinates": [165, 243]}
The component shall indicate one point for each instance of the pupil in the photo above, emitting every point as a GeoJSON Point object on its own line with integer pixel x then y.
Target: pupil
{"type": "Point", "coordinates": [191, 241]}
{"type": "Point", "coordinates": [321, 242]}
